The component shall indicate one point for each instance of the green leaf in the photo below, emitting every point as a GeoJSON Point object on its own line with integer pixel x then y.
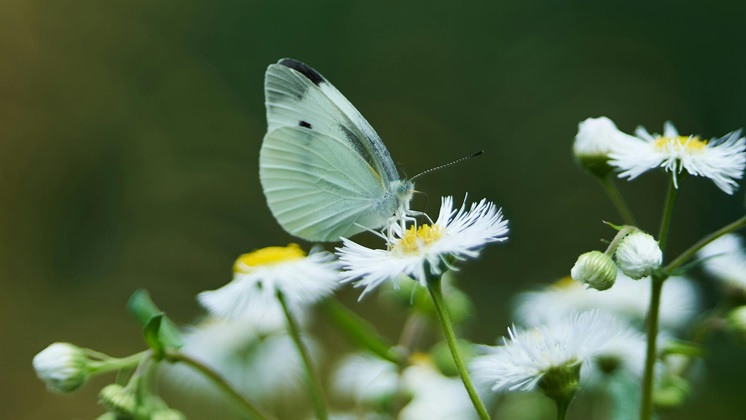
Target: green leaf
{"type": "Point", "coordinates": [160, 332]}
{"type": "Point", "coordinates": [152, 332]}
{"type": "Point", "coordinates": [680, 271]}
{"type": "Point", "coordinates": [360, 331]}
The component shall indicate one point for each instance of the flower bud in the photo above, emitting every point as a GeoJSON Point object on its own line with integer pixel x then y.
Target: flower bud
{"type": "Point", "coordinates": [638, 255]}
{"type": "Point", "coordinates": [595, 269]}
{"type": "Point", "coordinates": [62, 366]}
{"type": "Point", "coordinates": [118, 400]}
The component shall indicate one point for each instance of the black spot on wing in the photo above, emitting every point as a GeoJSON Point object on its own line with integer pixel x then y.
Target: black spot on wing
{"type": "Point", "coordinates": [304, 69]}
{"type": "Point", "coordinates": [305, 124]}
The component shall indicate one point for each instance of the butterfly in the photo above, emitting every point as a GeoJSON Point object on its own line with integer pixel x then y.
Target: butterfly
{"type": "Point", "coordinates": [325, 172]}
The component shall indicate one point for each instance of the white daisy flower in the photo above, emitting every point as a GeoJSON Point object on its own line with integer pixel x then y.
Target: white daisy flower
{"type": "Point", "coordinates": [365, 378]}
{"type": "Point", "coordinates": [562, 346]}
{"type": "Point", "coordinates": [638, 255]}
{"type": "Point", "coordinates": [259, 275]}
{"type": "Point", "coordinates": [427, 250]}
{"type": "Point", "coordinates": [726, 260]}
{"type": "Point", "coordinates": [434, 396]}
{"type": "Point", "coordinates": [628, 299]}
{"type": "Point", "coordinates": [260, 366]}
{"type": "Point", "coordinates": [722, 160]}
{"type": "Point", "coordinates": [596, 138]}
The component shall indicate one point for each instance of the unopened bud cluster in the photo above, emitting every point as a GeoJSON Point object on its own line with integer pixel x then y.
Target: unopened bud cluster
{"type": "Point", "coordinates": [636, 253]}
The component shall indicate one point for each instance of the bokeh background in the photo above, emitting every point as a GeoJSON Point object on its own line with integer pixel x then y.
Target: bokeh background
{"type": "Point", "coordinates": [130, 133]}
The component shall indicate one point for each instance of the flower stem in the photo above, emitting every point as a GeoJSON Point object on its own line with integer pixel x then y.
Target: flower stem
{"type": "Point", "coordinates": [436, 292]}
{"type": "Point", "coordinates": [646, 406]}
{"type": "Point", "coordinates": [312, 381]}
{"type": "Point", "coordinates": [562, 406]}
{"type": "Point", "coordinates": [656, 285]}
{"type": "Point", "coordinates": [219, 381]}
{"type": "Point", "coordinates": [667, 215]}
{"type": "Point", "coordinates": [107, 364]}
{"type": "Point", "coordinates": [361, 332]}
{"type": "Point", "coordinates": [616, 198]}
{"type": "Point", "coordinates": [689, 253]}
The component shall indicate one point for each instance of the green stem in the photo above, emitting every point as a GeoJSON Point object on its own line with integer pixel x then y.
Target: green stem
{"type": "Point", "coordinates": [646, 406]}
{"type": "Point", "coordinates": [689, 253]}
{"type": "Point", "coordinates": [656, 287]}
{"type": "Point", "coordinates": [312, 380]}
{"type": "Point", "coordinates": [616, 198]}
{"type": "Point", "coordinates": [219, 381]}
{"type": "Point", "coordinates": [667, 215]}
{"type": "Point", "coordinates": [562, 406]}
{"type": "Point", "coordinates": [112, 363]}
{"type": "Point", "coordinates": [360, 332]}
{"type": "Point", "coordinates": [436, 292]}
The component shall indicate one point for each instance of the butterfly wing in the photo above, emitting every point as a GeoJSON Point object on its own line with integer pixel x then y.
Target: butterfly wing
{"type": "Point", "coordinates": [323, 168]}
{"type": "Point", "coordinates": [297, 95]}
{"type": "Point", "coordinates": [319, 188]}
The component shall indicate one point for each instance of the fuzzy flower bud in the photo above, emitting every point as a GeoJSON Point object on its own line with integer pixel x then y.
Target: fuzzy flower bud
{"type": "Point", "coordinates": [62, 366]}
{"type": "Point", "coordinates": [595, 269]}
{"type": "Point", "coordinates": [638, 255]}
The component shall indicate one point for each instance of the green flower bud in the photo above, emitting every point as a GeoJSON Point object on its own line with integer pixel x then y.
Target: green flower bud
{"type": "Point", "coordinates": [118, 400]}
{"type": "Point", "coordinates": [595, 269]}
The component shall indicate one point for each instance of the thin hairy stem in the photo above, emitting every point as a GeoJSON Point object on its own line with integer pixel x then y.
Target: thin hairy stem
{"type": "Point", "coordinates": [616, 198]}
{"type": "Point", "coordinates": [312, 380]}
{"type": "Point", "coordinates": [219, 381]}
{"type": "Point", "coordinates": [436, 292]}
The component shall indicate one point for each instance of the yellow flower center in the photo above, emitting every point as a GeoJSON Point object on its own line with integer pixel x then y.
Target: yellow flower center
{"type": "Point", "coordinates": [267, 256]}
{"type": "Point", "coordinates": [693, 143]}
{"type": "Point", "coordinates": [415, 239]}
{"type": "Point", "coordinates": [564, 283]}
{"type": "Point", "coordinates": [419, 358]}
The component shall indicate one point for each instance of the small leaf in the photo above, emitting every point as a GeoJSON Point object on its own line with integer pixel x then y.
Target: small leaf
{"type": "Point", "coordinates": [613, 226]}
{"type": "Point", "coordinates": [152, 332]}
{"type": "Point", "coordinates": [145, 311]}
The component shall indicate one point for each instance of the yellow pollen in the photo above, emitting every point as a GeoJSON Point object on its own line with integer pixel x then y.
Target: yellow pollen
{"type": "Point", "coordinates": [682, 142]}
{"type": "Point", "coordinates": [267, 256]}
{"type": "Point", "coordinates": [415, 239]}
{"type": "Point", "coordinates": [564, 283]}
{"type": "Point", "coordinates": [419, 358]}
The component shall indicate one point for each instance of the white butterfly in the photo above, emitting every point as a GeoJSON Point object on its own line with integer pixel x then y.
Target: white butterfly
{"type": "Point", "coordinates": [324, 170]}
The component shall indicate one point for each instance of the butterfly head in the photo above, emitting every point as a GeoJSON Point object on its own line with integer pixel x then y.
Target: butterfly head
{"type": "Point", "coordinates": [404, 191]}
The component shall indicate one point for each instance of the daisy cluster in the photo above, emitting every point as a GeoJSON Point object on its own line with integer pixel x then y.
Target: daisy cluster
{"type": "Point", "coordinates": [720, 159]}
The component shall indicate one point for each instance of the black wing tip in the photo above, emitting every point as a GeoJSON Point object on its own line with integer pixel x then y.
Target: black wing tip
{"type": "Point", "coordinates": [315, 77]}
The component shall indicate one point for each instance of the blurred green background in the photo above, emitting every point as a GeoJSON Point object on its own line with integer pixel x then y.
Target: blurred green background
{"type": "Point", "coordinates": [130, 132]}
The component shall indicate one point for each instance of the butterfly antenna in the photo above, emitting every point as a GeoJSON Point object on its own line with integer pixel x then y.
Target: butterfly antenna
{"type": "Point", "coordinates": [448, 164]}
